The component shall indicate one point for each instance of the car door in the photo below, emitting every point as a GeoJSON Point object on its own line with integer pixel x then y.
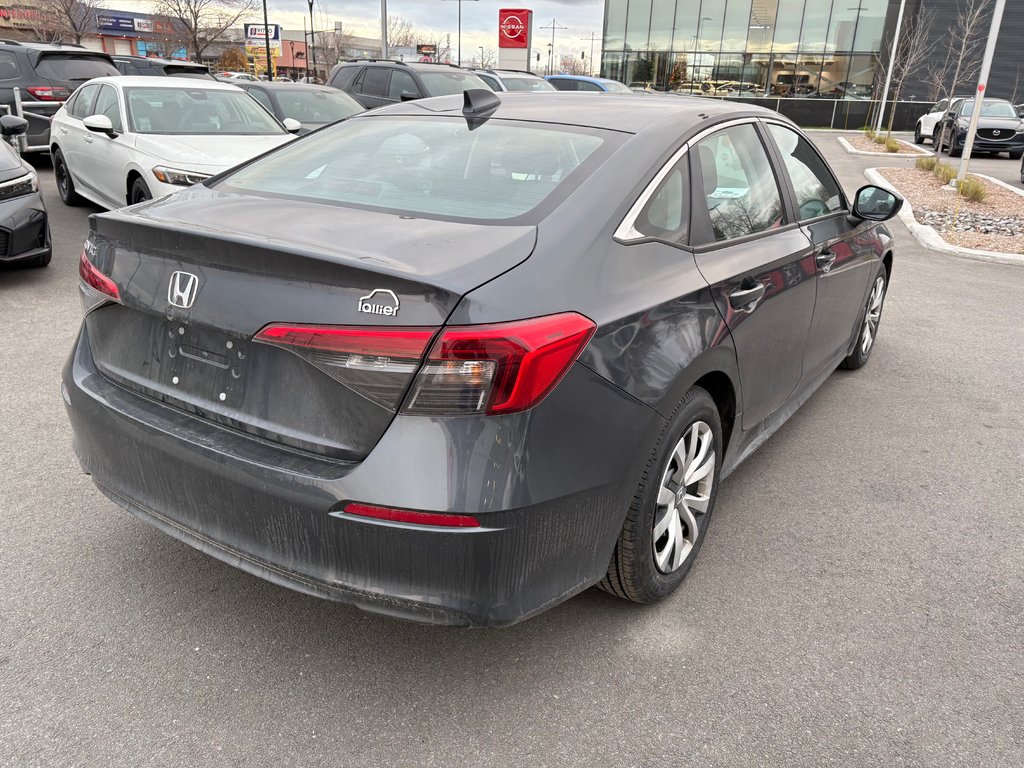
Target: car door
{"type": "Point", "coordinates": [371, 86]}
{"type": "Point", "coordinates": [757, 260]}
{"type": "Point", "coordinates": [930, 120]}
{"type": "Point", "coordinates": [845, 254]}
{"type": "Point", "coordinates": [402, 86]}
{"type": "Point", "coordinates": [72, 135]}
{"type": "Point", "coordinates": [106, 158]}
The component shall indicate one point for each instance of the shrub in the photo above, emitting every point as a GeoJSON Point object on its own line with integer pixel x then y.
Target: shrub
{"type": "Point", "coordinates": [891, 145]}
{"type": "Point", "coordinates": [870, 133]}
{"type": "Point", "coordinates": [927, 163]}
{"type": "Point", "coordinates": [973, 190]}
{"type": "Point", "coordinates": [880, 140]}
{"type": "Point", "coordinates": [945, 172]}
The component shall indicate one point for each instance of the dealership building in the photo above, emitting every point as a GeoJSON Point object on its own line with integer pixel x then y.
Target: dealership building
{"type": "Point", "coordinates": [829, 48]}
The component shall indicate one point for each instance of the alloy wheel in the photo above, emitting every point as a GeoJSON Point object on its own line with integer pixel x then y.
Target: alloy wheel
{"type": "Point", "coordinates": [683, 497]}
{"type": "Point", "coordinates": [873, 315]}
{"type": "Point", "coordinates": [61, 172]}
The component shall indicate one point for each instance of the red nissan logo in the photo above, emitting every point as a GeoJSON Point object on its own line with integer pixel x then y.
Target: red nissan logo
{"type": "Point", "coordinates": [512, 26]}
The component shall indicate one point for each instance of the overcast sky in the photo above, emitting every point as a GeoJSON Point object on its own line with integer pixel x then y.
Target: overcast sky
{"type": "Point", "coordinates": [479, 19]}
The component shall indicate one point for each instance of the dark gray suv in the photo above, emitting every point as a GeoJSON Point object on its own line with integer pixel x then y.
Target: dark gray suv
{"type": "Point", "coordinates": [376, 83]}
{"type": "Point", "coordinates": [46, 76]}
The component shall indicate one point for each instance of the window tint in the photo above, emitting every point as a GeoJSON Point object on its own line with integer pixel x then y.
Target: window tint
{"type": "Point", "coordinates": [739, 187]}
{"type": "Point", "coordinates": [343, 77]}
{"type": "Point", "coordinates": [584, 85]}
{"type": "Point", "coordinates": [401, 82]}
{"type": "Point", "coordinates": [817, 191]}
{"type": "Point", "coordinates": [106, 104]}
{"type": "Point", "coordinates": [58, 66]}
{"type": "Point", "coordinates": [564, 85]}
{"type": "Point", "coordinates": [81, 105]}
{"type": "Point", "coordinates": [262, 97]}
{"type": "Point", "coordinates": [433, 166]}
{"type": "Point", "coordinates": [666, 215]}
{"type": "Point", "coordinates": [374, 81]}
{"type": "Point", "coordinates": [8, 66]}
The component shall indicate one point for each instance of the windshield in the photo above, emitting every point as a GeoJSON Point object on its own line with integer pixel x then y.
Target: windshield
{"type": "Point", "coordinates": [316, 106]}
{"type": "Point", "coordinates": [71, 68]}
{"type": "Point", "coordinates": [434, 166]}
{"type": "Point", "coordinates": [197, 72]}
{"type": "Point", "coordinates": [194, 112]}
{"type": "Point", "coordinates": [613, 86]}
{"type": "Point", "coordinates": [990, 109]}
{"type": "Point", "coordinates": [445, 83]}
{"type": "Point", "coordinates": [527, 83]}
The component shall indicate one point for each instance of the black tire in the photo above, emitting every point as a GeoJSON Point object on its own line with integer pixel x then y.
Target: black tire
{"type": "Point", "coordinates": [1017, 155]}
{"type": "Point", "coordinates": [860, 355]}
{"type": "Point", "coordinates": [633, 573]}
{"type": "Point", "coordinates": [65, 184]}
{"type": "Point", "coordinates": [918, 138]}
{"type": "Point", "coordinates": [953, 149]}
{"type": "Point", "coordinates": [935, 139]}
{"type": "Point", "coordinates": [140, 192]}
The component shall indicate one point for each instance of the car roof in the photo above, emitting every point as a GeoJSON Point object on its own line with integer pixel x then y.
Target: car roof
{"type": "Point", "coordinates": [54, 48]}
{"type": "Point", "coordinates": [159, 60]}
{"type": "Point", "coordinates": [279, 86]}
{"type": "Point", "coordinates": [584, 78]}
{"type": "Point", "coordinates": [419, 65]}
{"type": "Point", "coordinates": [629, 113]}
{"type": "Point", "coordinates": [166, 82]}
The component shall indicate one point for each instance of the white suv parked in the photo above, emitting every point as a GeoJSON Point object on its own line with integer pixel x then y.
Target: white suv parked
{"type": "Point", "coordinates": [927, 123]}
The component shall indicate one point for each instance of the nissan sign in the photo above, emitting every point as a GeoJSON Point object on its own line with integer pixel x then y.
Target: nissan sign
{"type": "Point", "coordinates": [514, 27]}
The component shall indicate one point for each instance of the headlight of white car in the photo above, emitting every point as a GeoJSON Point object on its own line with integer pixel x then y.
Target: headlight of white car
{"type": "Point", "coordinates": [177, 177]}
{"type": "Point", "coordinates": [23, 185]}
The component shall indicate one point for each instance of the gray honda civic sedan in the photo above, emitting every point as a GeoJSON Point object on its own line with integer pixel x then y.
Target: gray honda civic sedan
{"type": "Point", "coordinates": [458, 359]}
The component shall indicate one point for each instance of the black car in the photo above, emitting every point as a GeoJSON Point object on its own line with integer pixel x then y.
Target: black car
{"type": "Point", "coordinates": [376, 83]}
{"type": "Point", "coordinates": [149, 66]}
{"type": "Point", "coordinates": [46, 76]}
{"type": "Point", "coordinates": [461, 359]}
{"type": "Point", "coordinates": [312, 105]}
{"type": "Point", "coordinates": [24, 227]}
{"type": "Point", "coordinates": [1000, 128]}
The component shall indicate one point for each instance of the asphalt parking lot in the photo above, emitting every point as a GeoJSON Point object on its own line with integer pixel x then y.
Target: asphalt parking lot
{"type": "Point", "coordinates": [859, 601]}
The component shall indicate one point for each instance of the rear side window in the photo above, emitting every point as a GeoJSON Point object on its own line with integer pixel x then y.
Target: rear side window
{"type": "Point", "coordinates": [817, 191]}
{"type": "Point", "coordinates": [343, 77]}
{"type": "Point", "coordinates": [430, 166]}
{"type": "Point", "coordinates": [374, 81]}
{"type": "Point", "coordinates": [61, 66]}
{"type": "Point", "coordinates": [8, 66]}
{"type": "Point", "coordinates": [491, 82]}
{"type": "Point", "coordinates": [738, 184]}
{"type": "Point", "coordinates": [564, 85]}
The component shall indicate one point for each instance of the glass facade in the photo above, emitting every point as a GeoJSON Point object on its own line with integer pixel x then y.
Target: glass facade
{"type": "Point", "coordinates": [791, 48]}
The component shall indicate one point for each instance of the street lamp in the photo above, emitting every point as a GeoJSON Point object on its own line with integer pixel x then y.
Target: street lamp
{"type": "Point", "coordinates": [458, 58]}
{"type": "Point", "coordinates": [312, 40]}
{"type": "Point", "coordinates": [481, 57]}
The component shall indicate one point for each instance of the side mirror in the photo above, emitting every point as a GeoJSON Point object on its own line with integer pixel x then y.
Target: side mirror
{"type": "Point", "coordinates": [409, 96]}
{"type": "Point", "coordinates": [12, 125]}
{"type": "Point", "coordinates": [292, 125]}
{"type": "Point", "coordinates": [100, 124]}
{"type": "Point", "coordinates": [876, 204]}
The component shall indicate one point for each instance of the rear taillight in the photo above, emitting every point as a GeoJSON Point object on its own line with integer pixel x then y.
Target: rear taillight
{"type": "Point", "coordinates": [500, 368]}
{"type": "Point", "coordinates": [47, 93]}
{"type": "Point", "coordinates": [94, 279]}
{"type": "Point", "coordinates": [493, 369]}
{"type": "Point", "coordinates": [409, 516]}
{"type": "Point", "coordinates": [377, 362]}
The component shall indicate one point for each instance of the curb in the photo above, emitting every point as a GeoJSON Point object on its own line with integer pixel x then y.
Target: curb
{"type": "Point", "coordinates": [918, 152]}
{"type": "Point", "coordinates": [929, 237]}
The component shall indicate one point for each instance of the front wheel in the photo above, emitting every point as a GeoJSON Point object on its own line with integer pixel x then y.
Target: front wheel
{"type": "Point", "coordinates": [65, 184]}
{"type": "Point", "coordinates": [954, 150]}
{"type": "Point", "coordinates": [140, 192]}
{"type": "Point", "coordinates": [668, 518]}
{"type": "Point", "coordinates": [868, 329]}
{"type": "Point", "coordinates": [1017, 154]}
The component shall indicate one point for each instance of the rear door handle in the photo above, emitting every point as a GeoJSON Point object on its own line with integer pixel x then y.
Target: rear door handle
{"type": "Point", "coordinates": [747, 298]}
{"type": "Point", "coordinates": [825, 259]}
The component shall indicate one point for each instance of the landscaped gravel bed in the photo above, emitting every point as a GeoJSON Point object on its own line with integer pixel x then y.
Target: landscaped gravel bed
{"type": "Point", "coordinates": [994, 225]}
{"type": "Point", "coordinates": [861, 142]}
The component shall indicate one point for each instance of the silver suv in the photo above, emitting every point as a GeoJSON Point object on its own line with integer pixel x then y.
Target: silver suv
{"type": "Point", "coordinates": [512, 80]}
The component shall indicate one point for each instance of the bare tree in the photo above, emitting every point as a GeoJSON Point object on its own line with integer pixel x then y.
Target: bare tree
{"type": "Point", "coordinates": [963, 56]}
{"type": "Point", "coordinates": [68, 20]}
{"type": "Point", "coordinates": [401, 33]}
{"type": "Point", "coordinates": [333, 47]}
{"type": "Point", "coordinates": [914, 47]}
{"type": "Point", "coordinates": [204, 22]}
{"type": "Point", "coordinates": [488, 58]}
{"type": "Point", "coordinates": [570, 65]}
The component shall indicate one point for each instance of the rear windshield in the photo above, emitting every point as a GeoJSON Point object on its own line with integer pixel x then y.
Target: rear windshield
{"type": "Point", "coordinates": [431, 166]}
{"type": "Point", "coordinates": [196, 72]}
{"type": "Point", "coordinates": [199, 111]}
{"type": "Point", "coordinates": [70, 68]}
{"type": "Point", "coordinates": [526, 83]}
{"type": "Point", "coordinates": [991, 109]}
{"type": "Point", "coordinates": [445, 82]}
{"type": "Point", "coordinates": [316, 107]}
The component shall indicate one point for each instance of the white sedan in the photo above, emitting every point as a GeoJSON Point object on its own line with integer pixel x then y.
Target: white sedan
{"type": "Point", "coordinates": [122, 140]}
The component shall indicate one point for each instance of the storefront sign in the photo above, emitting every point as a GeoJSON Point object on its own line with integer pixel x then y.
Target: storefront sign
{"type": "Point", "coordinates": [261, 32]}
{"type": "Point", "coordinates": [19, 15]}
{"type": "Point", "coordinates": [514, 27]}
{"type": "Point", "coordinates": [115, 23]}
{"type": "Point", "coordinates": [144, 25]}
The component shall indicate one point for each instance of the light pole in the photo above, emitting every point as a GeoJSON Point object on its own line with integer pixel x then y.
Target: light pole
{"type": "Point", "coordinates": [458, 58]}
{"type": "Point", "coordinates": [481, 57]}
{"type": "Point", "coordinates": [593, 36]}
{"type": "Point", "coordinates": [266, 41]}
{"type": "Point", "coordinates": [312, 39]}
{"type": "Point", "coordinates": [979, 95]}
{"type": "Point", "coordinates": [384, 29]}
{"type": "Point", "coordinates": [551, 46]}
{"type": "Point", "coordinates": [892, 63]}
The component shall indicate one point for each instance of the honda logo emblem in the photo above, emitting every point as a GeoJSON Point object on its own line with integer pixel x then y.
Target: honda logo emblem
{"type": "Point", "coordinates": [182, 290]}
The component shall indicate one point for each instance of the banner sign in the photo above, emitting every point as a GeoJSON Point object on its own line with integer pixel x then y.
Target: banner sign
{"type": "Point", "coordinates": [260, 32]}
{"type": "Point", "coordinates": [144, 25]}
{"type": "Point", "coordinates": [259, 50]}
{"type": "Point", "coordinates": [514, 27]}
{"type": "Point", "coordinates": [116, 23]}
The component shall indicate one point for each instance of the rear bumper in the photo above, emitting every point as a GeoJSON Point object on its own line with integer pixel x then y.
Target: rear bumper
{"type": "Point", "coordinates": [550, 488]}
{"type": "Point", "coordinates": [24, 233]}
